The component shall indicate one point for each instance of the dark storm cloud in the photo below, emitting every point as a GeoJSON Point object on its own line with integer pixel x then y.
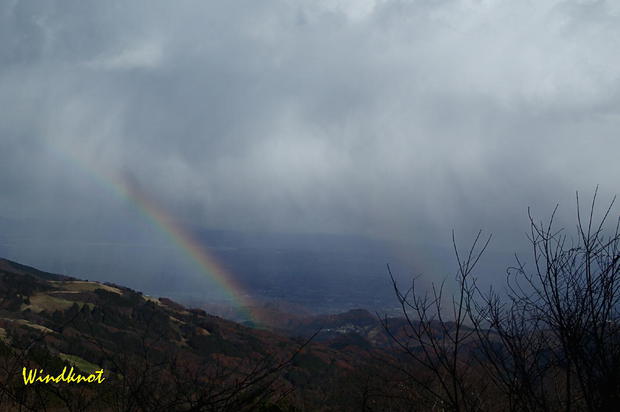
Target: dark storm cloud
{"type": "Point", "coordinates": [399, 119]}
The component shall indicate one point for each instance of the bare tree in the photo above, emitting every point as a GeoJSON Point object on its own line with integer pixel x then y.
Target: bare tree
{"type": "Point", "coordinates": [437, 338]}
{"type": "Point", "coordinates": [550, 340]}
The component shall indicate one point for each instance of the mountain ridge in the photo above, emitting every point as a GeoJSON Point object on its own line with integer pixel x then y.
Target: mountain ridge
{"type": "Point", "coordinates": [51, 321]}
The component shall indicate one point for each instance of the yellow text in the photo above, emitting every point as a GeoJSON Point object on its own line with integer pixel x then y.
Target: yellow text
{"type": "Point", "coordinates": [32, 376]}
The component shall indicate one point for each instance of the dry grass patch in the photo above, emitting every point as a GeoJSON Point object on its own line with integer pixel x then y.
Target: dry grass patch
{"type": "Point", "coordinates": [43, 301]}
{"type": "Point", "coordinates": [84, 286]}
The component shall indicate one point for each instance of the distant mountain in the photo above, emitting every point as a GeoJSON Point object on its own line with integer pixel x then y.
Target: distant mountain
{"type": "Point", "coordinates": [356, 327]}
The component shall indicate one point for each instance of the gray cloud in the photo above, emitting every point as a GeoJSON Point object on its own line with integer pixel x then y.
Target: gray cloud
{"type": "Point", "coordinates": [390, 118]}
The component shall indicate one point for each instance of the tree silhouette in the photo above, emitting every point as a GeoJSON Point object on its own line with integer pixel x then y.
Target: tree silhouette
{"type": "Point", "coordinates": [550, 340]}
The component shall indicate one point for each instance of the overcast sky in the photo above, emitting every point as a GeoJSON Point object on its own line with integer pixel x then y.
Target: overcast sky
{"type": "Point", "coordinates": [389, 118]}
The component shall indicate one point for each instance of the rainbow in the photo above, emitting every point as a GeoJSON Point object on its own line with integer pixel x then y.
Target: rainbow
{"type": "Point", "coordinates": [206, 262]}
{"type": "Point", "coordinates": [186, 242]}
